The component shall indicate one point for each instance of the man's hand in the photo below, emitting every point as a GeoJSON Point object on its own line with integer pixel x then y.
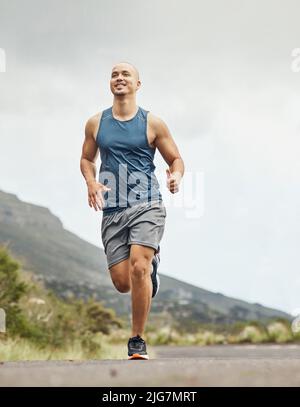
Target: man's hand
{"type": "Point", "coordinates": [173, 181]}
{"type": "Point", "coordinates": [95, 198]}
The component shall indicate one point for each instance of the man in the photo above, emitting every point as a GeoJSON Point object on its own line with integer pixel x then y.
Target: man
{"type": "Point", "coordinates": [128, 193]}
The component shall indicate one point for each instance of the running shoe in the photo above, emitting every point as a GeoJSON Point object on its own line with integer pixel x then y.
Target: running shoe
{"type": "Point", "coordinates": [154, 275]}
{"type": "Point", "coordinates": [137, 348]}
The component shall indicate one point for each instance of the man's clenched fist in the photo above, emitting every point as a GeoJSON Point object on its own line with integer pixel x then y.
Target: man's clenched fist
{"type": "Point", "coordinates": [173, 181]}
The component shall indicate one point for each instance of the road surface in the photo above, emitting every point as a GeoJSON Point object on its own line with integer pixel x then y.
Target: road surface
{"type": "Point", "coordinates": [220, 365]}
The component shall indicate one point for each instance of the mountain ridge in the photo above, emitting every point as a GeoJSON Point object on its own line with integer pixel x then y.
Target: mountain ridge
{"type": "Point", "coordinates": [71, 266]}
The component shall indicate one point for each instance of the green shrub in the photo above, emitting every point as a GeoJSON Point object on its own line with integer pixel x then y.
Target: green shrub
{"type": "Point", "coordinates": [38, 315]}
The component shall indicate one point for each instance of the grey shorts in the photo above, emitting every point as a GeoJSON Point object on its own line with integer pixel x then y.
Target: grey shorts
{"type": "Point", "coordinates": [142, 224]}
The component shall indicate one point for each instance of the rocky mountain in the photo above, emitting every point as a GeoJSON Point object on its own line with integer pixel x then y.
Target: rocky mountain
{"type": "Point", "coordinates": [72, 266]}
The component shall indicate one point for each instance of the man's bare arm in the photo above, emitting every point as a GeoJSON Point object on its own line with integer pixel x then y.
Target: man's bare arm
{"type": "Point", "coordinates": [169, 151]}
{"type": "Point", "coordinates": [90, 152]}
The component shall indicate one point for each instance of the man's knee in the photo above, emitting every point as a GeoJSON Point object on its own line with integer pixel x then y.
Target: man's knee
{"type": "Point", "coordinates": [140, 267]}
{"type": "Point", "coordinates": [121, 286]}
{"type": "Point", "coordinates": [120, 276]}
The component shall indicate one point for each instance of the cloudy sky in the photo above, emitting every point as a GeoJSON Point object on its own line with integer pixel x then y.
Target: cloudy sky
{"type": "Point", "coordinates": [219, 74]}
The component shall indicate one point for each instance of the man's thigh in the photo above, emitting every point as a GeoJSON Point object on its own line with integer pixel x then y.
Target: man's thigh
{"type": "Point", "coordinates": [147, 228]}
{"type": "Point", "coordinates": [114, 232]}
{"type": "Point", "coordinates": [141, 255]}
{"type": "Point", "coordinates": [143, 226]}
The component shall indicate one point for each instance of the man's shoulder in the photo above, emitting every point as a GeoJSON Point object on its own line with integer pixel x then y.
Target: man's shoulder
{"type": "Point", "coordinates": [92, 124]}
{"type": "Point", "coordinates": [155, 121]}
{"type": "Point", "coordinates": [93, 120]}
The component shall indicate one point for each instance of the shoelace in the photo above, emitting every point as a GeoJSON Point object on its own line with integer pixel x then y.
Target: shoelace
{"type": "Point", "coordinates": [136, 339]}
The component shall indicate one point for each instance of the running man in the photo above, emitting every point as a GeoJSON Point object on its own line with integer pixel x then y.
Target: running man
{"type": "Point", "coordinates": [127, 191]}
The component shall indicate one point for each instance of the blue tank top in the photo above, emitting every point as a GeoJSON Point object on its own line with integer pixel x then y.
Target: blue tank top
{"type": "Point", "coordinates": [126, 161]}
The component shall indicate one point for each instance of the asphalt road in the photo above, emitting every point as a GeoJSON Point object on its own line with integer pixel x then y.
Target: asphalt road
{"type": "Point", "coordinates": [227, 365]}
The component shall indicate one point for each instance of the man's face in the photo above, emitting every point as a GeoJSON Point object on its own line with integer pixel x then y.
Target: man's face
{"type": "Point", "coordinates": [124, 80]}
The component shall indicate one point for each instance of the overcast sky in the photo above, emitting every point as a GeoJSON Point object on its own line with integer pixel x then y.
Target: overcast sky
{"type": "Point", "coordinates": [219, 74]}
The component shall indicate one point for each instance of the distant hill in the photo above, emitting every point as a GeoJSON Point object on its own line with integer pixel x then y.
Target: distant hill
{"type": "Point", "coordinates": [70, 265]}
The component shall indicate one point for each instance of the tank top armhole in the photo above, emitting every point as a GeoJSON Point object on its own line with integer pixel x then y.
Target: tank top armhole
{"type": "Point", "coordinates": [146, 138]}
{"type": "Point", "coordinates": [98, 131]}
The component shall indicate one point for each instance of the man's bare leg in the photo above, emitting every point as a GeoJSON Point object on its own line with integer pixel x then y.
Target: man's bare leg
{"type": "Point", "coordinates": [140, 267]}
{"type": "Point", "coordinates": [120, 276]}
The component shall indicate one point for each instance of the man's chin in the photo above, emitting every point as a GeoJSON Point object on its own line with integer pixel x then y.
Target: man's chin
{"type": "Point", "coordinates": [119, 92]}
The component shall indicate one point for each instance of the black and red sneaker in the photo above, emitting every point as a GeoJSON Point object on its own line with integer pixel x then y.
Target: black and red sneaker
{"type": "Point", "coordinates": [137, 348]}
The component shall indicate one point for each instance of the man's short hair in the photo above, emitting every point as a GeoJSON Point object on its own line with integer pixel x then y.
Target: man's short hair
{"type": "Point", "coordinates": [135, 69]}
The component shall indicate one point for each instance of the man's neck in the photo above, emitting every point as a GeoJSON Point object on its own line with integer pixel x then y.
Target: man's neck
{"type": "Point", "coordinates": [124, 109]}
